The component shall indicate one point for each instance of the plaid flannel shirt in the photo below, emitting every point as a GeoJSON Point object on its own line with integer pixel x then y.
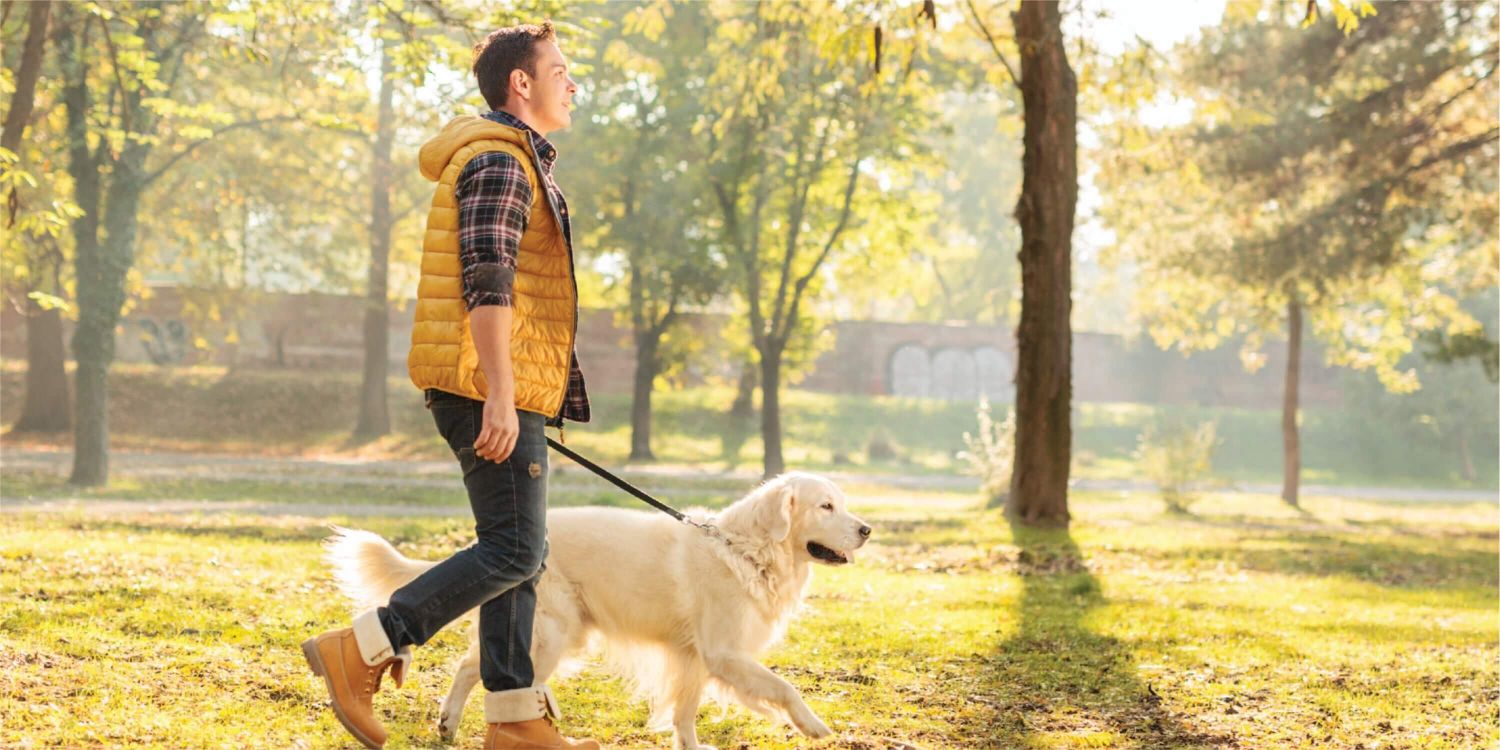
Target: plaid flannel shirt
{"type": "Point", "coordinates": [494, 206]}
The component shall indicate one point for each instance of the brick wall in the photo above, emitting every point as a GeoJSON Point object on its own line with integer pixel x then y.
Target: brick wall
{"type": "Point", "coordinates": [868, 358]}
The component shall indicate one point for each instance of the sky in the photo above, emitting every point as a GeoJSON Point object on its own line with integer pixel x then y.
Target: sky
{"type": "Point", "coordinates": [1161, 22]}
{"type": "Point", "coordinates": [1101, 295]}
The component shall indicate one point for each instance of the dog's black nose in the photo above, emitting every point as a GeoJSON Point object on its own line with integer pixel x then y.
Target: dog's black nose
{"type": "Point", "coordinates": [864, 531]}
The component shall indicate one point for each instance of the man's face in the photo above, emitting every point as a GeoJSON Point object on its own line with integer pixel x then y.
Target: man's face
{"type": "Point", "coordinates": [552, 90]}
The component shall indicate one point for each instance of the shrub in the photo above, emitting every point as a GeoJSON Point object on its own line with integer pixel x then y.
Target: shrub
{"type": "Point", "coordinates": [1175, 455]}
{"type": "Point", "coordinates": [881, 446]}
{"type": "Point", "coordinates": [990, 453]}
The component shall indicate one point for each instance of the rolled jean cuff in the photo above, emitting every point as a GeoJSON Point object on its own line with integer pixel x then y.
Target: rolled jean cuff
{"type": "Point", "coordinates": [524, 704]}
{"type": "Point", "coordinates": [374, 645]}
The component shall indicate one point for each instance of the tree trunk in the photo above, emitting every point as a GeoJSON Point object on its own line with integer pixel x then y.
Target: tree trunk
{"type": "Point", "coordinates": [1466, 455]}
{"type": "Point", "coordinates": [101, 297]}
{"type": "Point", "coordinates": [1049, 195]}
{"type": "Point", "coordinates": [1291, 450]}
{"type": "Point", "coordinates": [646, 365]}
{"type": "Point", "coordinates": [48, 407]}
{"type": "Point", "coordinates": [744, 396]}
{"type": "Point", "coordinates": [24, 97]}
{"type": "Point", "coordinates": [100, 272]}
{"type": "Point", "coordinates": [374, 416]}
{"type": "Point", "coordinates": [770, 411]}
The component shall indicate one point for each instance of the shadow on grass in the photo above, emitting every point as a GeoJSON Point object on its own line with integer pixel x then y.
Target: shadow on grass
{"type": "Point", "coordinates": [1059, 683]}
{"type": "Point", "coordinates": [1408, 562]}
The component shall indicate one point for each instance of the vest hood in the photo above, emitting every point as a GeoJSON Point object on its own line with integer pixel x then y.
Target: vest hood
{"type": "Point", "coordinates": [460, 132]}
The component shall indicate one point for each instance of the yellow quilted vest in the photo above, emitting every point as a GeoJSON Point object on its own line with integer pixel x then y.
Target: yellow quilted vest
{"type": "Point", "coordinates": [545, 298]}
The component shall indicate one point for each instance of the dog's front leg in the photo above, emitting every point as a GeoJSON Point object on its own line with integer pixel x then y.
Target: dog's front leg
{"type": "Point", "coordinates": [465, 677]}
{"type": "Point", "coordinates": [685, 719]}
{"type": "Point", "coordinates": [757, 686]}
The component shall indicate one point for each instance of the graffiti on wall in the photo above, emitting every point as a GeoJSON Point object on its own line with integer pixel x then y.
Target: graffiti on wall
{"type": "Point", "coordinates": [951, 373]}
{"type": "Point", "coordinates": [164, 342]}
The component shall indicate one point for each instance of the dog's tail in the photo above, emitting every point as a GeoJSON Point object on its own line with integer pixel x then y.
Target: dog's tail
{"type": "Point", "coordinates": [367, 568]}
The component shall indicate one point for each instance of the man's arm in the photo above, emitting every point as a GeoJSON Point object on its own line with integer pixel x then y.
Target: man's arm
{"type": "Point", "coordinates": [494, 205]}
{"type": "Point", "coordinates": [490, 326]}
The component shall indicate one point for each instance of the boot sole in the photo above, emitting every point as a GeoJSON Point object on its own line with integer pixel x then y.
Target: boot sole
{"type": "Point", "coordinates": [315, 661]}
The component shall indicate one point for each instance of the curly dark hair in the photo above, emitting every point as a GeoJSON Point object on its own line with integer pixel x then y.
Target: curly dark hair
{"type": "Point", "coordinates": [505, 50]}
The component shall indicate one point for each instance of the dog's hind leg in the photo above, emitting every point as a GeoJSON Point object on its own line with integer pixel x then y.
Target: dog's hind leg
{"type": "Point", "coordinates": [465, 677]}
{"type": "Point", "coordinates": [760, 689]}
{"type": "Point", "coordinates": [557, 629]}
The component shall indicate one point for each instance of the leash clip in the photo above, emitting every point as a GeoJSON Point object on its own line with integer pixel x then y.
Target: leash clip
{"type": "Point", "coordinates": [707, 528]}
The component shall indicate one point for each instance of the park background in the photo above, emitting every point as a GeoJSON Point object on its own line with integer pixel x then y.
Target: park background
{"type": "Point", "coordinates": [1241, 492]}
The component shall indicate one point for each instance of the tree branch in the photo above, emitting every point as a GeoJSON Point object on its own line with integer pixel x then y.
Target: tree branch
{"type": "Point", "coordinates": [1010, 69]}
{"type": "Point", "coordinates": [180, 155]}
{"type": "Point", "coordinates": [827, 248]}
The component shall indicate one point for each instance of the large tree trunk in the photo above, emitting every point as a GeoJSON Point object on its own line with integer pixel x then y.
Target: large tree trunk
{"type": "Point", "coordinates": [101, 297]}
{"type": "Point", "coordinates": [374, 416]}
{"type": "Point", "coordinates": [93, 340]}
{"type": "Point", "coordinates": [47, 407]}
{"type": "Point", "coordinates": [647, 362]}
{"type": "Point", "coordinates": [1291, 449]}
{"type": "Point", "coordinates": [1049, 194]}
{"type": "Point", "coordinates": [770, 411]}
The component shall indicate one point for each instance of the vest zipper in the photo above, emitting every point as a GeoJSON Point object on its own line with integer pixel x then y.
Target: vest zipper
{"type": "Point", "coordinates": [567, 233]}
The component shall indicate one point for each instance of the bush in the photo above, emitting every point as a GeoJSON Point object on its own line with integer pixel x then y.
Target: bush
{"type": "Point", "coordinates": [990, 453]}
{"type": "Point", "coordinates": [1176, 455]}
{"type": "Point", "coordinates": [881, 447]}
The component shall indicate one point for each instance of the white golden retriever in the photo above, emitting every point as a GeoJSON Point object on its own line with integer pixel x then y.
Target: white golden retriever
{"type": "Point", "coordinates": [679, 611]}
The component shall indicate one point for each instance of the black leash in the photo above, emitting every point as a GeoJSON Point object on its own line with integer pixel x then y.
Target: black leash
{"type": "Point", "coordinates": [628, 487]}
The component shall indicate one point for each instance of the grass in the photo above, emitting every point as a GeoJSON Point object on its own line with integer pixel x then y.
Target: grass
{"type": "Point", "coordinates": [298, 413]}
{"type": "Point", "coordinates": [1350, 625]}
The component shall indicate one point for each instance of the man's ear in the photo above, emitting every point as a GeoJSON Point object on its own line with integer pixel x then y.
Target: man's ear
{"type": "Point", "coordinates": [777, 513]}
{"type": "Point", "coordinates": [520, 83]}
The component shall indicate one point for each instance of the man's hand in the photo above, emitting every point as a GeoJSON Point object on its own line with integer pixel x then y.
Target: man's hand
{"type": "Point", "coordinates": [497, 438]}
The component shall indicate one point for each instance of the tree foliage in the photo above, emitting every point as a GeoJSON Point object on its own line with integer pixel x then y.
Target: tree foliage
{"type": "Point", "coordinates": [1349, 167]}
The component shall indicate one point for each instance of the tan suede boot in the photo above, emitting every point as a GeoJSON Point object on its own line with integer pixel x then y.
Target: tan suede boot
{"type": "Point", "coordinates": [351, 662]}
{"type": "Point", "coordinates": [522, 720]}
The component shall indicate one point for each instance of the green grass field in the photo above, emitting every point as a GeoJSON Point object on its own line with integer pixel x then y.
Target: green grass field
{"type": "Point", "coordinates": [301, 413]}
{"type": "Point", "coordinates": [1248, 625]}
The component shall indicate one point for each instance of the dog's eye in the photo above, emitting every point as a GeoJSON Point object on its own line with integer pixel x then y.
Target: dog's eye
{"type": "Point", "coordinates": [827, 506]}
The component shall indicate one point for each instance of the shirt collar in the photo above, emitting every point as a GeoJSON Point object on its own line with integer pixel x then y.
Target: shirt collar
{"type": "Point", "coordinates": [543, 147]}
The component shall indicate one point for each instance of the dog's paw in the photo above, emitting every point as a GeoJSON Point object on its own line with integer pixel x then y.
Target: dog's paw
{"type": "Point", "coordinates": [815, 728]}
{"type": "Point", "coordinates": [447, 728]}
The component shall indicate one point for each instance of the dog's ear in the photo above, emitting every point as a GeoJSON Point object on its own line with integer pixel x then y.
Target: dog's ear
{"type": "Point", "coordinates": [777, 512]}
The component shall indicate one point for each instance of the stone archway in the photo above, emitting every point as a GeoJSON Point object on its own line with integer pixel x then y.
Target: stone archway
{"type": "Point", "coordinates": [910, 372]}
{"type": "Point", "coordinates": [955, 375]}
{"type": "Point", "coordinates": [997, 374]}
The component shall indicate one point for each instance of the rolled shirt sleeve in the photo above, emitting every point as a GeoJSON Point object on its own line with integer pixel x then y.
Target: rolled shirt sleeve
{"type": "Point", "coordinates": [494, 205]}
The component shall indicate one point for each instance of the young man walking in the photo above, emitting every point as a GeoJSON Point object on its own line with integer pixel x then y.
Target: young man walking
{"type": "Point", "coordinates": [493, 350]}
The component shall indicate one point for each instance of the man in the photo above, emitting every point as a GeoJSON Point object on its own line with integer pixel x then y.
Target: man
{"type": "Point", "coordinates": [493, 350]}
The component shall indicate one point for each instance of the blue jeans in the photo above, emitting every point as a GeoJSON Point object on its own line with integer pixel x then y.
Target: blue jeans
{"type": "Point", "coordinates": [499, 572]}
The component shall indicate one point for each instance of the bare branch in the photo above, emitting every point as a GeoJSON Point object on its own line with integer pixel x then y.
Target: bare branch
{"type": "Point", "coordinates": [180, 155]}
{"type": "Point", "coordinates": [833, 238]}
{"type": "Point", "coordinates": [1010, 69]}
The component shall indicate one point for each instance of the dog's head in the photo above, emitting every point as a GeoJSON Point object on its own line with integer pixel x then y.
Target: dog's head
{"type": "Point", "coordinates": [811, 513]}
